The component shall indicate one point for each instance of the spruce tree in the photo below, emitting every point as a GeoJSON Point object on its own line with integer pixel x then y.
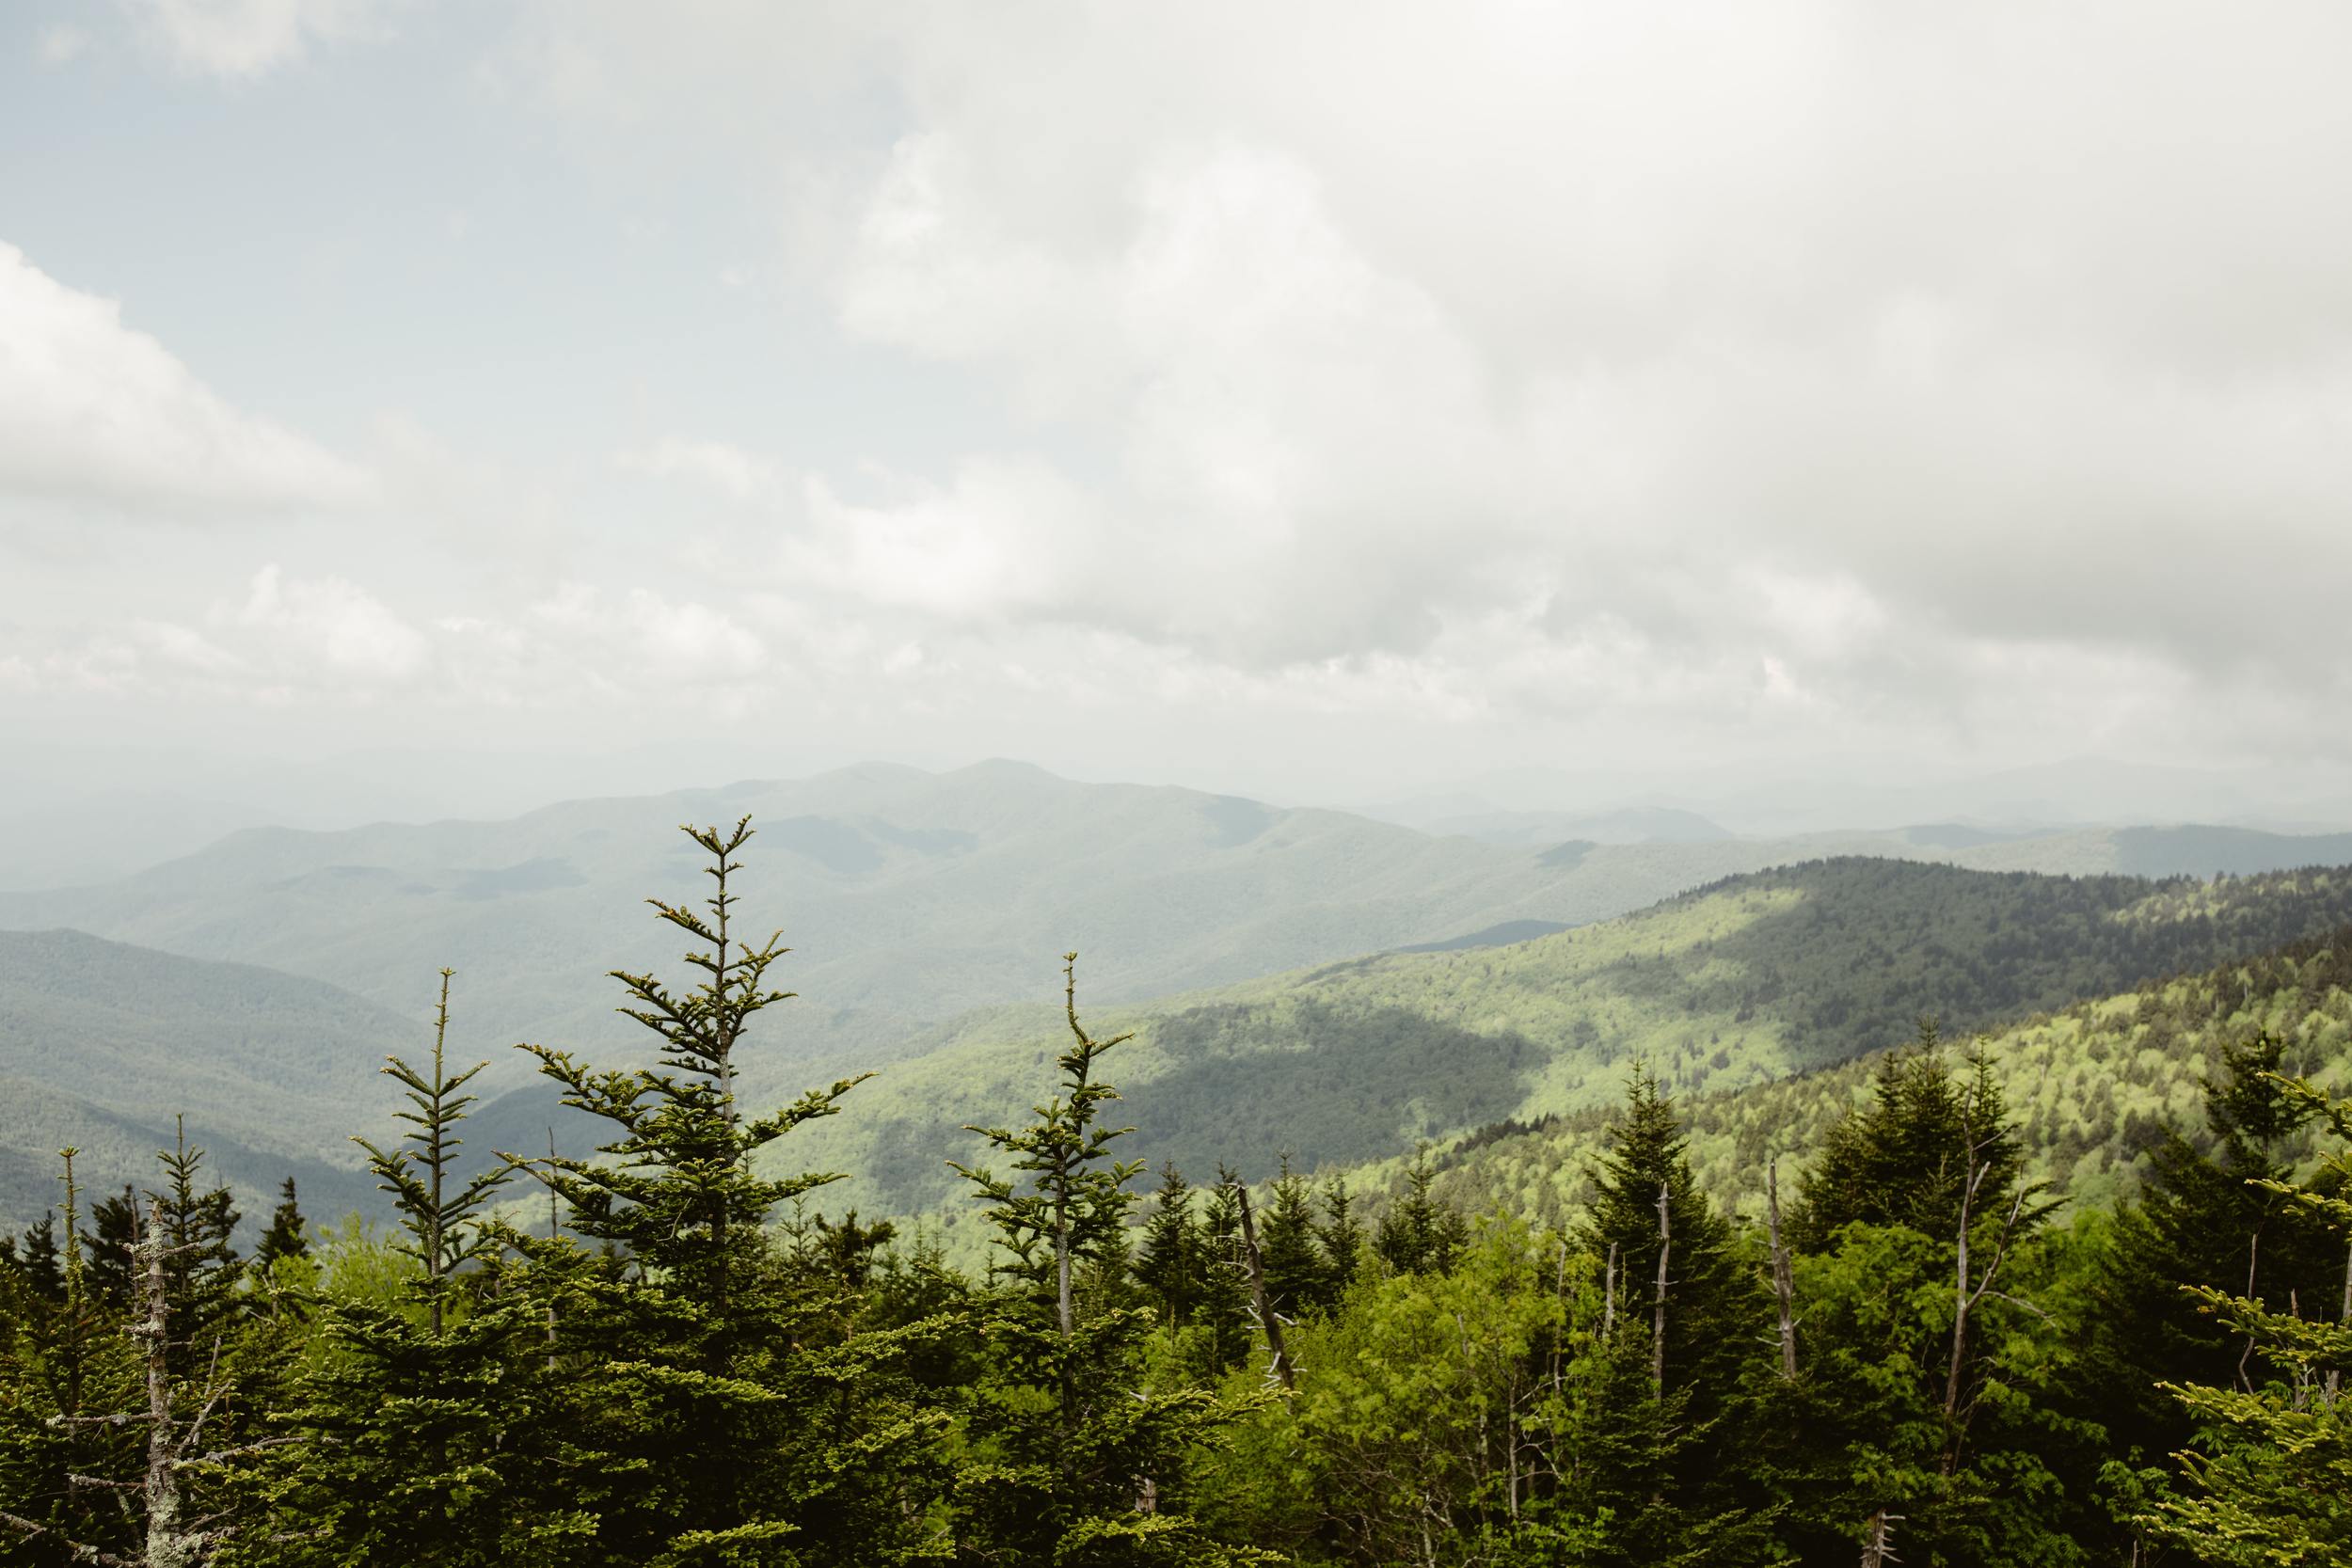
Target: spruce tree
{"type": "Point", "coordinates": [1168, 1262]}
{"type": "Point", "coordinates": [733, 1418]}
{"type": "Point", "coordinates": [1080, 1461]}
{"type": "Point", "coordinates": [1681, 1295]}
{"type": "Point", "coordinates": [1339, 1237]}
{"type": "Point", "coordinates": [1224, 1309]}
{"type": "Point", "coordinates": [288, 1235]}
{"type": "Point", "coordinates": [1421, 1233]}
{"type": "Point", "coordinates": [427, 1436]}
{"type": "Point", "coordinates": [2269, 1484]}
{"type": "Point", "coordinates": [1296, 1278]}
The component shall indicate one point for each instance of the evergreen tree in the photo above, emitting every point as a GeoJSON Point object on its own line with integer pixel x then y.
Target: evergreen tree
{"type": "Point", "coordinates": [734, 1420]}
{"type": "Point", "coordinates": [2269, 1479]}
{"type": "Point", "coordinates": [1169, 1263]}
{"type": "Point", "coordinates": [1295, 1275]}
{"type": "Point", "coordinates": [1224, 1309]}
{"type": "Point", "coordinates": [427, 1434]}
{"type": "Point", "coordinates": [1904, 1159]}
{"type": "Point", "coordinates": [288, 1235]}
{"type": "Point", "coordinates": [106, 1249]}
{"type": "Point", "coordinates": [1081, 1461]}
{"type": "Point", "coordinates": [202, 1270]}
{"type": "Point", "coordinates": [1421, 1233]}
{"type": "Point", "coordinates": [2269, 1482]}
{"type": "Point", "coordinates": [1339, 1237]}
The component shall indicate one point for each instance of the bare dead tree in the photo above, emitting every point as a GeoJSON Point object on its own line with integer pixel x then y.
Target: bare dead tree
{"type": "Point", "coordinates": [1657, 1317]}
{"type": "Point", "coordinates": [1878, 1547]}
{"type": "Point", "coordinates": [2335, 1378]}
{"type": "Point", "coordinates": [1609, 1295]}
{"type": "Point", "coordinates": [1783, 1282]}
{"type": "Point", "coordinates": [1280, 1370]}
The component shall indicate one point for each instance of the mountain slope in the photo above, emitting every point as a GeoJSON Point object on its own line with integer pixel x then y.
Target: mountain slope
{"type": "Point", "coordinates": [102, 1045]}
{"type": "Point", "coordinates": [2089, 1085]}
{"type": "Point", "coordinates": [1755, 980]}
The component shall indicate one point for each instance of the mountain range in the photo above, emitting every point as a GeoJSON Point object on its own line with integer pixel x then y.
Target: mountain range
{"type": "Point", "coordinates": [928, 913]}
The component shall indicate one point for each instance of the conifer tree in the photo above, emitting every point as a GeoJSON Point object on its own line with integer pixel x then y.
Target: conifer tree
{"type": "Point", "coordinates": [1082, 1462]}
{"type": "Point", "coordinates": [1295, 1275]}
{"type": "Point", "coordinates": [106, 1249]}
{"type": "Point", "coordinates": [1419, 1234]}
{"type": "Point", "coordinates": [1168, 1262]}
{"type": "Point", "coordinates": [2269, 1482]}
{"type": "Point", "coordinates": [1224, 1308]}
{"type": "Point", "coordinates": [427, 1437]}
{"type": "Point", "coordinates": [735, 1421]}
{"type": "Point", "coordinates": [1340, 1235]}
{"type": "Point", "coordinates": [201, 1268]}
{"type": "Point", "coordinates": [288, 1235]}
{"type": "Point", "coordinates": [1682, 1294]}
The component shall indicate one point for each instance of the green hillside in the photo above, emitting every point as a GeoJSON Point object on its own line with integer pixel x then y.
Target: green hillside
{"type": "Point", "coordinates": [2088, 1085]}
{"type": "Point", "coordinates": [1744, 983]}
{"type": "Point", "coordinates": [102, 1045]}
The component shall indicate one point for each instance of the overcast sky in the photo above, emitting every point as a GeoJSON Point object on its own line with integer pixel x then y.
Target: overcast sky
{"type": "Point", "coordinates": [1323, 399]}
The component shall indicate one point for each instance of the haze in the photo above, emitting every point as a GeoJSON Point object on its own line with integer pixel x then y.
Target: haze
{"type": "Point", "coordinates": [411, 408]}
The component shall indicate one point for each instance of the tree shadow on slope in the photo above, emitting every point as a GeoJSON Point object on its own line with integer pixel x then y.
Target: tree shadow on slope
{"type": "Point", "coordinates": [1326, 1085]}
{"type": "Point", "coordinates": [1876, 944]}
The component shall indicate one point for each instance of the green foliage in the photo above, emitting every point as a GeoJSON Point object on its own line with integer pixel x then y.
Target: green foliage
{"type": "Point", "coordinates": [1079, 1457]}
{"type": "Point", "coordinates": [1765, 984]}
{"type": "Point", "coordinates": [2269, 1480]}
{"type": "Point", "coordinates": [698, 1363]}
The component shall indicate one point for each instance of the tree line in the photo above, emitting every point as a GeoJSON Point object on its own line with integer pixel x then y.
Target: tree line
{"type": "Point", "coordinates": [667, 1354]}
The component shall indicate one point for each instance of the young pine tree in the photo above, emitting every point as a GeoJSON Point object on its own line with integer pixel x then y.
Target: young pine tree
{"type": "Point", "coordinates": [1079, 1461]}
{"type": "Point", "coordinates": [425, 1433]}
{"type": "Point", "coordinates": [1421, 1233]}
{"type": "Point", "coordinates": [1339, 1237]}
{"type": "Point", "coordinates": [1168, 1262]}
{"type": "Point", "coordinates": [1296, 1278]}
{"type": "Point", "coordinates": [737, 1420]}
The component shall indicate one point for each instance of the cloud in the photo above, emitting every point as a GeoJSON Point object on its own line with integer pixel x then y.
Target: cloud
{"type": "Point", "coordinates": [326, 630]}
{"type": "Point", "coordinates": [246, 39]}
{"type": "Point", "coordinates": [93, 410]}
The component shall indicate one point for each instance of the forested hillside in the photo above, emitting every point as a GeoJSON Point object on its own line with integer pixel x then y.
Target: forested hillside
{"type": "Point", "coordinates": [2089, 1084]}
{"type": "Point", "coordinates": [1752, 980]}
{"type": "Point", "coordinates": [104, 1045]}
{"type": "Point", "coordinates": [1911, 1352]}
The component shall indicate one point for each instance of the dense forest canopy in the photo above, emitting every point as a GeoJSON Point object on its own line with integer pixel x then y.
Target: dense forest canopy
{"type": "Point", "coordinates": [1921, 1345]}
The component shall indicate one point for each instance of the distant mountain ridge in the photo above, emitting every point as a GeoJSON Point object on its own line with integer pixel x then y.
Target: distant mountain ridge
{"type": "Point", "coordinates": [913, 897]}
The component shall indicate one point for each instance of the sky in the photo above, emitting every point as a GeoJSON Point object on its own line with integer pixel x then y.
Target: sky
{"type": "Point", "coordinates": [433, 404]}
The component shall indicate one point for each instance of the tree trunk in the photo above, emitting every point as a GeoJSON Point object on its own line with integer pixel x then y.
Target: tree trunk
{"type": "Point", "coordinates": [1281, 1370]}
{"type": "Point", "coordinates": [2335, 1379]}
{"type": "Point", "coordinates": [1959, 1306]}
{"type": "Point", "coordinates": [1657, 1320]}
{"type": "Point", "coordinates": [1609, 1296]}
{"type": "Point", "coordinates": [169, 1545]}
{"type": "Point", "coordinates": [1784, 1283]}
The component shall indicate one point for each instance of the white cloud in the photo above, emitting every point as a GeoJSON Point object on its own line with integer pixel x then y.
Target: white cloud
{"type": "Point", "coordinates": [91, 409]}
{"type": "Point", "coordinates": [327, 630]}
{"type": "Point", "coordinates": [251, 38]}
